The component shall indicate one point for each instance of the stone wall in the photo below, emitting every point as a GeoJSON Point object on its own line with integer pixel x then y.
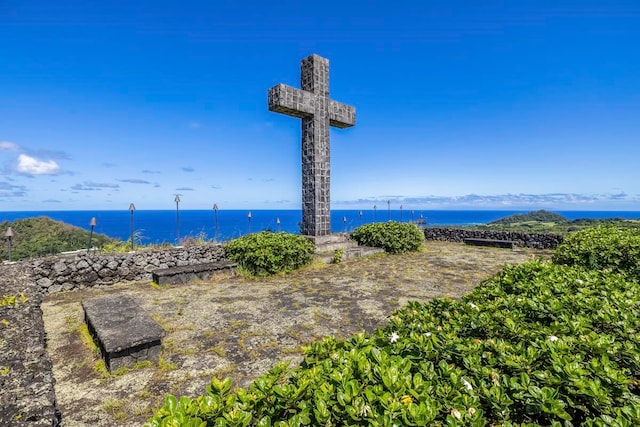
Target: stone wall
{"type": "Point", "coordinates": [527, 240]}
{"type": "Point", "coordinates": [27, 395]}
{"type": "Point", "coordinates": [67, 272]}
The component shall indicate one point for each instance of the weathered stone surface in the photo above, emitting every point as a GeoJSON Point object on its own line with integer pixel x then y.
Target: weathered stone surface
{"type": "Point", "coordinates": [27, 395]}
{"type": "Point", "coordinates": [187, 273]}
{"type": "Point", "coordinates": [83, 270]}
{"type": "Point", "coordinates": [123, 331]}
{"type": "Point", "coordinates": [59, 267]}
{"type": "Point", "coordinates": [318, 112]}
{"type": "Point", "coordinates": [44, 282]}
{"type": "Point", "coordinates": [505, 244]}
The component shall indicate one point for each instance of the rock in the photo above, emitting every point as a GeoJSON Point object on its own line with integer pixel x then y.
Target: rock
{"type": "Point", "coordinates": [59, 267]}
{"type": "Point", "coordinates": [89, 277]}
{"type": "Point", "coordinates": [44, 282]}
{"type": "Point", "coordinates": [54, 288]}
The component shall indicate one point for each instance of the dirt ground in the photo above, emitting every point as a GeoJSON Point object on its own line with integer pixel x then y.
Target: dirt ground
{"type": "Point", "coordinates": [241, 327]}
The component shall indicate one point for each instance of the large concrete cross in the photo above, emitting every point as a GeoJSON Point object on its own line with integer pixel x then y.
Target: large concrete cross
{"type": "Point", "coordinates": [311, 103]}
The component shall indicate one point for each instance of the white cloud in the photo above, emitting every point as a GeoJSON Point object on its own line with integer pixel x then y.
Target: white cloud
{"type": "Point", "coordinates": [32, 166]}
{"type": "Point", "coordinates": [8, 146]}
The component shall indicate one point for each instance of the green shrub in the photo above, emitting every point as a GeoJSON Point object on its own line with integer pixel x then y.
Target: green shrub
{"type": "Point", "coordinates": [267, 253]}
{"type": "Point", "coordinates": [337, 256]}
{"type": "Point", "coordinates": [394, 237]}
{"type": "Point", "coordinates": [538, 344]}
{"type": "Point", "coordinates": [611, 248]}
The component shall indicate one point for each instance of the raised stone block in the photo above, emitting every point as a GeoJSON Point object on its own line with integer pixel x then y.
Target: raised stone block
{"type": "Point", "coordinates": [187, 273]}
{"type": "Point", "coordinates": [122, 330]}
{"type": "Point", "coordinates": [508, 244]}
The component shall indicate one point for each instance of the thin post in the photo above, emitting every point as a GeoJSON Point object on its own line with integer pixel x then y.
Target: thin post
{"type": "Point", "coordinates": [360, 213]}
{"type": "Point", "coordinates": [344, 223]}
{"type": "Point", "coordinates": [375, 210]}
{"type": "Point", "coordinates": [215, 214]}
{"type": "Point", "coordinates": [388, 210]}
{"type": "Point", "coordinates": [278, 224]}
{"type": "Point", "coordinates": [9, 236]}
{"type": "Point", "coordinates": [249, 223]}
{"type": "Point", "coordinates": [92, 223]}
{"type": "Point", "coordinates": [132, 208]}
{"type": "Point", "coordinates": [177, 200]}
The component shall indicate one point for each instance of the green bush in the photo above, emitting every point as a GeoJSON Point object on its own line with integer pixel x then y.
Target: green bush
{"type": "Point", "coordinates": [611, 248]}
{"type": "Point", "coordinates": [394, 237]}
{"type": "Point", "coordinates": [538, 344]}
{"type": "Point", "coordinates": [267, 253]}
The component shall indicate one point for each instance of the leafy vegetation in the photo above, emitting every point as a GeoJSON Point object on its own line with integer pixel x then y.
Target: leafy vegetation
{"type": "Point", "coordinates": [33, 237]}
{"type": "Point", "coordinates": [540, 216]}
{"type": "Point", "coordinates": [537, 344]}
{"type": "Point", "coordinates": [549, 222]}
{"type": "Point", "coordinates": [605, 247]}
{"type": "Point", "coordinates": [394, 237]}
{"type": "Point", "coordinates": [268, 253]}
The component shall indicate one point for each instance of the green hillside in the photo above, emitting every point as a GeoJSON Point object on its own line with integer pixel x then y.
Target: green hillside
{"type": "Point", "coordinates": [549, 222]}
{"type": "Point", "coordinates": [33, 237]}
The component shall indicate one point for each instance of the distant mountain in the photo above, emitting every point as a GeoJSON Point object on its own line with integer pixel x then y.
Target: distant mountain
{"type": "Point", "coordinates": [34, 237]}
{"type": "Point", "coordinates": [548, 222]}
{"type": "Point", "coordinates": [537, 216]}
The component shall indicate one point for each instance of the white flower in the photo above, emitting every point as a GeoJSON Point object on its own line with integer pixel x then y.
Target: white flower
{"type": "Point", "coordinates": [519, 300]}
{"type": "Point", "coordinates": [580, 282]}
{"type": "Point", "coordinates": [456, 413]}
{"type": "Point", "coordinates": [467, 384]}
{"type": "Point", "coordinates": [394, 337]}
{"type": "Point", "coordinates": [553, 338]}
{"type": "Point", "coordinates": [471, 411]}
{"type": "Point", "coordinates": [427, 334]}
{"type": "Point", "coordinates": [472, 305]}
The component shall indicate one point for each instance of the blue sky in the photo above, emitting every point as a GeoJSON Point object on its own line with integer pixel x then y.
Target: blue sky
{"type": "Point", "coordinates": [460, 104]}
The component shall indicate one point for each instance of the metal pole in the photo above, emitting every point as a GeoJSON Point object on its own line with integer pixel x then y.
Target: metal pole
{"type": "Point", "coordinates": [375, 210]}
{"type": "Point", "coordinates": [215, 214]}
{"type": "Point", "coordinates": [177, 200]}
{"type": "Point", "coordinates": [249, 223]}
{"type": "Point", "coordinates": [9, 236]}
{"type": "Point", "coordinates": [92, 223]}
{"type": "Point", "coordinates": [131, 209]}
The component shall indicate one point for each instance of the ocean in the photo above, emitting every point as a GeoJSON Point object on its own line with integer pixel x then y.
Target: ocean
{"type": "Point", "coordinates": [164, 226]}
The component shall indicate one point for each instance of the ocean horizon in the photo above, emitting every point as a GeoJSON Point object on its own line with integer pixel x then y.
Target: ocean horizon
{"type": "Point", "coordinates": [170, 226]}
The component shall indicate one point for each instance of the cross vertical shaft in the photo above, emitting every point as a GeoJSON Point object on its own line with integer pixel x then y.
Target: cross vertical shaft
{"type": "Point", "coordinates": [318, 112]}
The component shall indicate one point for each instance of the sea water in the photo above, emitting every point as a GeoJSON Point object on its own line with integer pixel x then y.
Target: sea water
{"type": "Point", "coordinates": [170, 226]}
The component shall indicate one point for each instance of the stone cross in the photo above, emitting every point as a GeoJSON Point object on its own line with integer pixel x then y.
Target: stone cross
{"type": "Point", "coordinates": [311, 103]}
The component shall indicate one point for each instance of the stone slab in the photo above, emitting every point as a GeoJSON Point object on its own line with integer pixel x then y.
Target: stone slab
{"type": "Point", "coordinates": [187, 273]}
{"type": "Point", "coordinates": [507, 244]}
{"type": "Point", "coordinates": [123, 331]}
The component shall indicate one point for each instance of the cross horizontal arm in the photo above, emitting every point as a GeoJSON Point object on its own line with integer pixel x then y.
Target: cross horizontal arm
{"type": "Point", "coordinates": [291, 101]}
{"type": "Point", "coordinates": [341, 115]}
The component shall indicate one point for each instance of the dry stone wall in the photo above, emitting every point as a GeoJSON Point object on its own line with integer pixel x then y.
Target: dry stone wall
{"type": "Point", "coordinates": [27, 395]}
{"type": "Point", "coordinates": [526, 240]}
{"type": "Point", "coordinates": [67, 272]}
